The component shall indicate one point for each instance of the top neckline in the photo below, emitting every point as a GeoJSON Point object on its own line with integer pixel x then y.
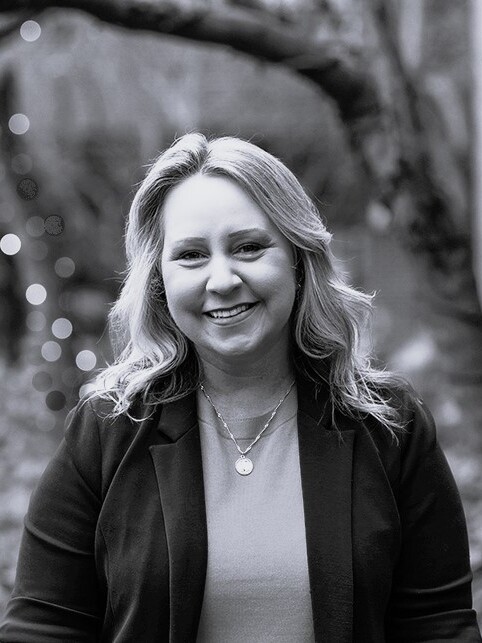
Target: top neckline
{"type": "Point", "coordinates": [286, 412]}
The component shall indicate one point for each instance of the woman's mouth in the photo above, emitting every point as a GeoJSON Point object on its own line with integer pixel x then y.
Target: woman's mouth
{"type": "Point", "coordinates": [225, 313]}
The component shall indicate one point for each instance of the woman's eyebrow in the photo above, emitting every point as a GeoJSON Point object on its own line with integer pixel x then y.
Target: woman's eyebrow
{"type": "Point", "coordinates": [180, 243]}
{"type": "Point", "coordinates": [240, 233]}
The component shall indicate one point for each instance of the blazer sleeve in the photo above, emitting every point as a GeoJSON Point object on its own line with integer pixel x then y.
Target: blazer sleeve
{"type": "Point", "coordinates": [56, 596]}
{"type": "Point", "coordinates": [431, 594]}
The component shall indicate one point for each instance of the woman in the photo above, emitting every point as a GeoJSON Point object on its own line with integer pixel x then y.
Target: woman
{"type": "Point", "coordinates": [242, 473]}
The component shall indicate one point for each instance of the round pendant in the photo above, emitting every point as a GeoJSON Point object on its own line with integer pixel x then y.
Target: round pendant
{"type": "Point", "coordinates": [244, 466]}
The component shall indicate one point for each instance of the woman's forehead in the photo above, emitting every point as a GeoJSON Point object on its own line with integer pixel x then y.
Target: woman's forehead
{"type": "Point", "coordinates": [203, 203]}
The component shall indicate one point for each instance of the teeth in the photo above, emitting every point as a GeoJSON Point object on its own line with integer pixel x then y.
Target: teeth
{"type": "Point", "coordinates": [219, 314]}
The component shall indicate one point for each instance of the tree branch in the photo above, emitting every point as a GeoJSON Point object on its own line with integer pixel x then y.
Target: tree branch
{"type": "Point", "coordinates": [331, 66]}
{"type": "Point", "coordinates": [391, 147]}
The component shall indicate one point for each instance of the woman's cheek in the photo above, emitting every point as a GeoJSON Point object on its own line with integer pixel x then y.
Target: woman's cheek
{"type": "Point", "coordinates": [183, 289]}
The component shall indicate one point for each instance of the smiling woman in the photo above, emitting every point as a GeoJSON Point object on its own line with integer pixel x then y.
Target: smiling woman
{"type": "Point", "coordinates": [229, 275]}
{"type": "Point", "coordinates": [241, 472]}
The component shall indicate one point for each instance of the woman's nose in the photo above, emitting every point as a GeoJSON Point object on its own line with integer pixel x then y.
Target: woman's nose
{"type": "Point", "coordinates": [222, 278]}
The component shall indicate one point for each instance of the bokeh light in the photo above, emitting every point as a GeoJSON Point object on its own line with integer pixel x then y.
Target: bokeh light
{"type": "Point", "coordinates": [35, 226]}
{"type": "Point", "coordinates": [51, 351]}
{"type": "Point", "coordinates": [18, 124]}
{"type": "Point", "coordinates": [10, 244]}
{"type": "Point", "coordinates": [64, 267]}
{"type": "Point", "coordinates": [62, 328]}
{"type": "Point", "coordinates": [27, 189]}
{"type": "Point", "coordinates": [30, 31]}
{"type": "Point", "coordinates": [22, 163]}
{"type": "Point", "coordinates": [86, 360]}
{"type": "Point", "coordinates": [42, 381]}
{"type": "Point", "coordinates": [55, 400]}
{"type": "Point", "coordinates": [36, 294]}
{"type": "Point", "coordinates": [36, 320]}
{"type": "Point", "coordinates": [54, 225]}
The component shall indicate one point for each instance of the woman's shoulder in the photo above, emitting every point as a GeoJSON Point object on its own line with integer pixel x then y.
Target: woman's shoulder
{"type": "Point", "coordinates": [98, 438]}
{"type": "Point", "coordinates": [92, 417]}
{"type": "Point", "coordinates": [404, 450]}
{"type": "Point", "coordinates": [416, 420]}
{"type": "Point", "coordinates": [415, 434]}
{"type": "Point", "coordinates": [100, 411]}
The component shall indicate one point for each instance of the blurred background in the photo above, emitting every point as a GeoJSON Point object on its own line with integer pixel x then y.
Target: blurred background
{"type": "Point", "coordinates": [374, 104]}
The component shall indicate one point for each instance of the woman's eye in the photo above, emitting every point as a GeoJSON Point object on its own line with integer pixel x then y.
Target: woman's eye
{"type": "Point", "coordinates": [249, 248]}
{"type": "Point", "coordinates": [191, 255]}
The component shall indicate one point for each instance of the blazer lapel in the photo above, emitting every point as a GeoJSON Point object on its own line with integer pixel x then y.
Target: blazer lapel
{"type": "Point", "coordinates": [178, 467]}
{"type": "Point", "coordinates": [326, 478]}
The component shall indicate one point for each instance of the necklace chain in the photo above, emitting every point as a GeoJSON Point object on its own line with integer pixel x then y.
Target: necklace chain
{"type": "Point", "coordinates": [248, 449]}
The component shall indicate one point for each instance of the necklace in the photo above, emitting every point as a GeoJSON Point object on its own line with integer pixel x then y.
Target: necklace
{"type": "Point", "coordinates": [244, 465]}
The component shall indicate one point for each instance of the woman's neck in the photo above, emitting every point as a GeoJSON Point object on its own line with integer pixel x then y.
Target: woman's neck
{"type": "Point", "coordinates": [249, 391]}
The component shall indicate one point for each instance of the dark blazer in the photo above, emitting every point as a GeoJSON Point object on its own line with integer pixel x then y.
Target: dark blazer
{"type": "Point", "coordinates": [115, 541]}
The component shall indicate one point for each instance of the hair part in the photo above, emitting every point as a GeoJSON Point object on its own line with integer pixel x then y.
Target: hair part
{"type": "Point", "coordinates": [328, 315]}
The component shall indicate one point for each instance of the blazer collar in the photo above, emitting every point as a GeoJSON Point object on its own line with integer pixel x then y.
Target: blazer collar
{"type": "Point", "coordinates": [178, 467]}
{"type": "Point", "coordinates": [326, 478]}
{"type": "Point", "coordinates": [178, 417]}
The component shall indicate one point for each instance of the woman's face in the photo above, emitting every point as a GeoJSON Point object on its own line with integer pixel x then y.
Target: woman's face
{"type": "Point", "coordinates": [227, 270]}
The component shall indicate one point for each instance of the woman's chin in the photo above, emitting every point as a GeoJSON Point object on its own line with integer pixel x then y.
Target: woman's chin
{"type": "Point", "coordinates": [234, 352]}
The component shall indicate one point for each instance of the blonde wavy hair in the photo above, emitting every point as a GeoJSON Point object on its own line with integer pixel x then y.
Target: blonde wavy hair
{"type": "Point", "coordinates": [157, 362]}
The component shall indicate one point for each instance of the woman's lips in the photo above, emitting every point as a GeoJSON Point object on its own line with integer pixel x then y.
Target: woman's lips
{"type": "Point", "coordinates": [228, 313]}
